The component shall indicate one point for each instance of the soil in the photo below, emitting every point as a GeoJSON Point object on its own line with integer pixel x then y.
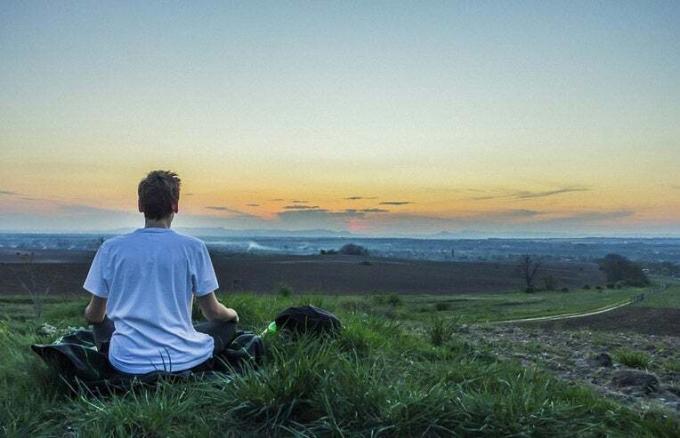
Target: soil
{"type": "Point", "coordinates": [637, 319]}
{"type": "Point", "coordinates": [336, 274]}
{"type": "Point", "coordinates": [573, 356]}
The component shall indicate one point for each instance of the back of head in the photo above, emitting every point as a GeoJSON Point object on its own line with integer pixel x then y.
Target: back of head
{"type": "Point", "coordinates": [158, 193]}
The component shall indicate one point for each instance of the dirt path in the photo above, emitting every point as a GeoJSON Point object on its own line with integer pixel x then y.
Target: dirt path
{"type": "Point", "coordinates": [569, 315]}
{"type": "Point", "coordinates": [609, 308]}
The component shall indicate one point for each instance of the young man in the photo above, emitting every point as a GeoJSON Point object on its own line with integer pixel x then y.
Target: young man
{"type": "Point", "coordinates": [143, 284]}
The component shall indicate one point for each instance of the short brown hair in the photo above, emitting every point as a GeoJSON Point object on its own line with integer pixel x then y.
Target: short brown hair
{"type": "Point", "coordinates": [157, 192]}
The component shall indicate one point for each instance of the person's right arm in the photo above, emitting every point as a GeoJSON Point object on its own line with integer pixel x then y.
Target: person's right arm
{"type": "Point", "coordinates": [213, 310]}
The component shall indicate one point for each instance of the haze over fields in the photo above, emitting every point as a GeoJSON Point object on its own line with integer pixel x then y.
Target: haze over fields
{"type": "Point", "coordinates": [376, 118]}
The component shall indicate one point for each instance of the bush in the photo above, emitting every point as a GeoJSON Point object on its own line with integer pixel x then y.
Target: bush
{"type": "Point", "coordinates": [441, 332]}
{"type": "Point", "coordinates": [285, 290]}
{"type": "Point", "coordinates": [633, 359]}
{"type": "Point", "coordinates": [530, 290]}
{"type": "Point", "coordinates": [564, 289]}
{"type": "Point", "coordinates": [353, 249]}
{"type": "Point", "coordinates": [442, 306]}
{"type": "Point", "coordinates": [586, 287]}
{"type": "Point", "coordinates": [393, 300]}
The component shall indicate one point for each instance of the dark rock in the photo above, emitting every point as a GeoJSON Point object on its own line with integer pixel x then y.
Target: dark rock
{"type": "Point", "coordinates": [675, 390]}
{"type": "Point", "coordinates": [602, 360]}
{"type": "Point", "coordinates": [636, 379]}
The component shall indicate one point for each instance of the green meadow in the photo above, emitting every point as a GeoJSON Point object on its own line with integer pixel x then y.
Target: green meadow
{"type": "Point", "coordinates": [397, 369]}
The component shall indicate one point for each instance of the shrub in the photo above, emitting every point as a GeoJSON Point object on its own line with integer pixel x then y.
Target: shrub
{"type": "Point", "coordinates": [441, 331]}
{"type": "Point", "coordinates": [633, 359]}
{"type": "Point", "coordinates": [285, 290]}
{"type": "Point", "coordinates": [393, 300]}
{"type": "Point", "coordinates": [442, 306]}
{"type": "Point", "coordinates": [353, 249]}
{"type": "Point", "coordinates": [586, 286]}
{"type": "Point", "coordinates": [564, 289]}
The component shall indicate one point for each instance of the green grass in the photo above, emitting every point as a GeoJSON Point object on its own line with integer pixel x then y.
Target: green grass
{"type": "Point", "coordinates": [380, 377]}
{"type": "Point", "coordinates": [668, 299]}
{"type": "Point", "coordinates": [481, 308]}
{"type": "Point", "coordinates": [633, 359]}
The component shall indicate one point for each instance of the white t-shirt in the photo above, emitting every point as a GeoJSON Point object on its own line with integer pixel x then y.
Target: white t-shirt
{"type": "Point", "coordinates": [148, 277]}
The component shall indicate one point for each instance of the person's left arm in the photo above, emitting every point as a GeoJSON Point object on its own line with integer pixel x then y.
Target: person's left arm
{"type": "Point", "coordinates": [95, 311]}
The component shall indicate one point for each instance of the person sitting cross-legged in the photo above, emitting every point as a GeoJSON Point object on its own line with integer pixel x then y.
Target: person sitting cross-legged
{"type": "Point", "coordinates": [143, 286]}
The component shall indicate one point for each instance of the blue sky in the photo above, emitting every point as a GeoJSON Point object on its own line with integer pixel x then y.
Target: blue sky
{"type": "Point", "coordinates": [507, 117]}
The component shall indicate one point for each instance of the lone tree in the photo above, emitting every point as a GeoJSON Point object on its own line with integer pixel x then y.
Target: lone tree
{"type": "Point", "coordinates": [617, 268]}
{"type": "Point", "coordinates": [528, 266]}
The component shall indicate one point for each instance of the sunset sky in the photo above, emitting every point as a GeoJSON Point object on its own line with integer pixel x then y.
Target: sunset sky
{"type": "Point", "coordinates": [379, 118]}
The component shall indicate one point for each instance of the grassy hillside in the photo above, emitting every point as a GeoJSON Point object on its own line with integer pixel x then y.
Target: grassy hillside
{"type": "Point", "coordinates": [383, 376]}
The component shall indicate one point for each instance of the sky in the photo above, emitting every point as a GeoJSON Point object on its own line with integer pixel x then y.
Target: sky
{"type": "Point", "coordinates": [377, 118]}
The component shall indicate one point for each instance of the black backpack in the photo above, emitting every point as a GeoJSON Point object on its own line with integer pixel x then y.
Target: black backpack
{"type": "Point", "coordinates": [308, 319]}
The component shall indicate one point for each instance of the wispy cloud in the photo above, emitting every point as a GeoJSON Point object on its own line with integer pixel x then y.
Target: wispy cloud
{"type": "Point", "coordinates": [527, 194]}
{"type": "Point", "coordinates": [301, 207]}
{"type": "Point", "coordinates": [366, 210]}
{"type": "Point", "coordinates": [594, 216]}
{"type": "Point", "coordinates": [358, 198]}
{"type": "Point", "coordinates": [295, 201]}
{"type": "Point", "coordinates": [229, 210]}
{"type": "Point", "coordinates": [253, 205]}
{"type": "Point", "coordinates": [277, 200]}
{"type": "Point", "coordinates": [373, 210]}
{"type": "Point", "coordinates": [8, 193]}
{"type": "Point", "coordinates": [676, 186]}
{"type": "Point", "coordinates": [396, 203]}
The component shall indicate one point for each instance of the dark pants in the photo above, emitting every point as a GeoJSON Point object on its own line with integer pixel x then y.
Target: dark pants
{"type": "Point", "coordinates": [222, 333]}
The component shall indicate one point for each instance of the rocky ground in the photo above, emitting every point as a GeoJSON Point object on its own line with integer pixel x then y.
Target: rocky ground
{"type": "Point", "coordinates": [642, 371]}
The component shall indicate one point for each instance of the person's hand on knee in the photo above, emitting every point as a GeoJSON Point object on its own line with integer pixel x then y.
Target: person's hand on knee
{"type": "Point", "coordinates": [213, 310]}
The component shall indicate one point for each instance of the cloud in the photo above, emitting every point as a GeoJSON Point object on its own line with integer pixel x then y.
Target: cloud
{"type": "Point", "coordinates": [317, 218]}
{"type": "Point", "coordinates": [526, 194]}
{"type": "Point", "coordinates": [253, 205]}
{"type": "Point", "coordinates": [8, 193]}
{"type": "Point", "coordinates": [675, 186]}
{"type": "Point", "coordinates": [231, 211]}
{"type": "Point", "coordinates": [520, 213]}
{"type": "Point", "coordinates": [295, 201]}
{"type": "Point", "coordinates": [277, 200]}
{"type": "Point", "coordinates": [366, 210]}
{"type": "Point", "coordinates": [529, 195]}
{"type": "Point", "coordinates": [301, 207]}
{"type": "Point", "coordinates": [593, 216]}
{"type": "Point", "coordinates": [358, 198]}
{"type": "Point", "coordinates": [220, 208]}
{"type": "Point", "coordinates": [374, 210]}
{"type": "Point", "coordinates": [396, 202]}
